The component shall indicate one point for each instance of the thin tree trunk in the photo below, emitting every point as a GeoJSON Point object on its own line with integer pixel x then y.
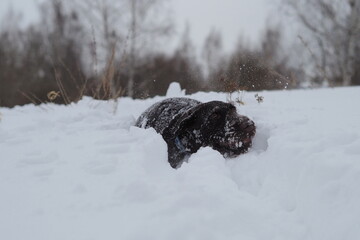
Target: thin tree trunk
{"type": "Point", "coordinates": [132, 59]}
{"type": "Point", "coordinates": [352, 31]}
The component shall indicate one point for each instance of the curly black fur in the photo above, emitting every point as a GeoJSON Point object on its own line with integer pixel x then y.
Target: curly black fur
{"type": "Point", "coordinates": [187, 125]}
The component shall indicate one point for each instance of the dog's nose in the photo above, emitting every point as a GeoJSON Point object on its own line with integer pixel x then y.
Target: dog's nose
{"type": "Point", "coordinates": [248, 127]}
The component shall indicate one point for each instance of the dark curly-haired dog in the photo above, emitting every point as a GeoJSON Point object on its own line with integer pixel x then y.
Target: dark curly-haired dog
{"type": "Point", "coordinates": [187, 125]}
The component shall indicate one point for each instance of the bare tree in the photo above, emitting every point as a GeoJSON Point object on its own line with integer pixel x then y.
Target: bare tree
{"type": "Point", "coordinates": [104, 22]}
{"type": "Point", "coordinates": [273, 55]}
{"type": "Point", "coordinates": [132, 60]}
{"type": "Point", "coordinates": [127, 26]}
{"type": "Point", "coordinates": [270, 45]}
{"type": "Point", "coordinates": [334, 33]}
{"type": "Point", "coordinates": [146, 24]}
{"type": "Point", "coordinates": [212, 52]}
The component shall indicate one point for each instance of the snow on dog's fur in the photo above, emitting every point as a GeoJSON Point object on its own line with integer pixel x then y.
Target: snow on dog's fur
{"type": "Point", "coordinates": [187, 124]}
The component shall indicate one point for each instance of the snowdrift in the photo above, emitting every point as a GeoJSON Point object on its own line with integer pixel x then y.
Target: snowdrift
{"type": "Point", "coordinates": [84, 172]}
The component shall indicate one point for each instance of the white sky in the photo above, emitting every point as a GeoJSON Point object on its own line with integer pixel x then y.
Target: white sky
{"type": "Point", "coordinates": [231, 17]}
{"type": "Point", "coordinates": [27, 7]}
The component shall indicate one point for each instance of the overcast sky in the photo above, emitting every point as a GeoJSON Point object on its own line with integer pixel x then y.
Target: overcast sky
{"type": "Point", "coordinates": [232, 18]}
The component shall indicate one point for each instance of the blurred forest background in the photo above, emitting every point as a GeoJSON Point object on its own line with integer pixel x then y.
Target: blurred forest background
{"type": "Point", "coordinates": [106, 49]}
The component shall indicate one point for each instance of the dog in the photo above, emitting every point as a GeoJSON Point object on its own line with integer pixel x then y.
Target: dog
{"type": "Point", "coordinates": [187, 125]}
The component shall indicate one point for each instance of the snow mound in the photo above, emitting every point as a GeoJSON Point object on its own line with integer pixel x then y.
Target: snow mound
{"type": "Point", "coordinates": [84, 171]}
{"type": "Point", "coordinates": [174, 90]}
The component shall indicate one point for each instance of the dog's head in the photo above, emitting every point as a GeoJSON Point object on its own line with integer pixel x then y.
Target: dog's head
{"type": "Point", "coordinates": [216, 124]}
{"type": "Point", "coordinates": [229, 133]}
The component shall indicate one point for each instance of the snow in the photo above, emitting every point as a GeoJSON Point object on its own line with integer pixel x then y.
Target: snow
{"type": "Point", "coordinates": [84, 172]}
{"type": "Point", "coordinates": [174, 90]}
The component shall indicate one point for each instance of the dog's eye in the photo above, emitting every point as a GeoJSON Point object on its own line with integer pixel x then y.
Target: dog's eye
{"type": "Point", "coordinates": [215, 116]}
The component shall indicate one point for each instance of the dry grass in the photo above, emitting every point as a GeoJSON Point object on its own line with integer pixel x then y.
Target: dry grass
{"type": "Point", "coordinates": [239, 97]}
{"type": "Point", "coordinates": [33, 99]}
{"type": "Point", "coordinates": [52, 95]}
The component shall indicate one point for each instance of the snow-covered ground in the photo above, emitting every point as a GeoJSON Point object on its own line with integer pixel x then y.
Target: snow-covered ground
{"type": "Point", "coordinates": [84, 172]}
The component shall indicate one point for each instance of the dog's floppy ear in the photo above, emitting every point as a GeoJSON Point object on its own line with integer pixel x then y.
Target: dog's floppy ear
{"type": "Point", "coordinates": [196, 117]}
{"type": "Point", "coordinates": [202, 114]}
{"type": "Point", "coordinates": [182, 121]}
{"type": "Point", "coordinates": [194, 120]}
{"type": "Point", "coordinates": [180, 138]}
{"type": "Point", "coordinates": [192, 129]}
{"type": "Point", "coordinates": [176, 155]}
